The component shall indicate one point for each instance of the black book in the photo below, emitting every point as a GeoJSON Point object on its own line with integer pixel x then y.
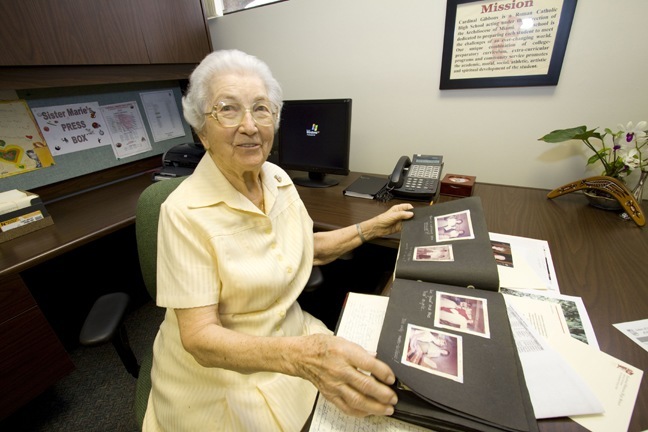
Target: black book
{"type": "Point", "coordinates": [448, 243]}
{"type": "Point", "coordinates": [365, 186]}
{"type": "Point", "coordinates": [454, 356]}
{"type": "Point", "coordinates": [446, 333]}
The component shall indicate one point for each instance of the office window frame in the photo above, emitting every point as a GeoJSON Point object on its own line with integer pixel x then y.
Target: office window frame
{"type": "Point", "coordinates": [233, 6]}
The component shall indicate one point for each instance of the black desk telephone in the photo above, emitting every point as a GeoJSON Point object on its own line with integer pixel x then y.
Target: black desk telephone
{"type": "Point", "coordinates": [417, 178]}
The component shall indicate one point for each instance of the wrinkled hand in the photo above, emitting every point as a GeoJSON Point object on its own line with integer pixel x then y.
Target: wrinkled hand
{"type": "Point", "coordinates": [390, 221]}
{"type": "Point", "coordinates": [335, 366]}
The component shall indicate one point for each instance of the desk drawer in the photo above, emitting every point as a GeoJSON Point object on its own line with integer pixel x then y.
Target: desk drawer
{"type": "Point", "coordinates": [31, 356]}
{"type": "Point", "coordinates": [15, 298]}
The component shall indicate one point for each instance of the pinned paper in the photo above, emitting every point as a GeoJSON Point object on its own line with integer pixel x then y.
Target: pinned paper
{"type": "Point", "coordinates": [73, 127]}
{"type": "Point", "coordinates": [22, 147]}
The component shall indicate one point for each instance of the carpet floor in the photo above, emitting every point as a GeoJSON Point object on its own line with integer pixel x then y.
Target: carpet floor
{"type": "Point", "coordinates": [98, 395]}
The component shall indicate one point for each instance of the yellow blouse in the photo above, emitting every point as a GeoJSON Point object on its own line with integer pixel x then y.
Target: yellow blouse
{"type": "Point", "coordinates": [216, 247]}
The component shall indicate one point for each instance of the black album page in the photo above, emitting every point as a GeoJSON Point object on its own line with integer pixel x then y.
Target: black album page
{"type": "Point", "coordinates": [453, 352]}
{"type": "Point", "coordinates": [448, 243]}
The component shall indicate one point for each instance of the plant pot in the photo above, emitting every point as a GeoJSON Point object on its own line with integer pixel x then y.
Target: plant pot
{"type": "Point", "coordinates": [602, 200]}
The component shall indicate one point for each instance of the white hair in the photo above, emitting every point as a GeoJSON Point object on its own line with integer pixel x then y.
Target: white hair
{"type": "Point", "coordinates": [198, 98]}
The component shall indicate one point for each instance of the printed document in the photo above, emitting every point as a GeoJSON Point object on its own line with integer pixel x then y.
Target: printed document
{"type": "Point", "coordinates": [635, 330]}
{"type": "Point", "coordinates": [524, 263]}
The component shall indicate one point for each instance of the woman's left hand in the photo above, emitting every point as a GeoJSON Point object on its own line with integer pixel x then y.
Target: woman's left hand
{"type": "Point", "coordinates": [388, 222]}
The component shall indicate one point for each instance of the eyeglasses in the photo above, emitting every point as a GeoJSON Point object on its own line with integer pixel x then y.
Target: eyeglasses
{"type": "Point", "coordinates": [231, 113]}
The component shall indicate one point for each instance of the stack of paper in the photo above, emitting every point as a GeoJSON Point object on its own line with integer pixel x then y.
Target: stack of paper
{"type": "Point", "coordinates": [21, 213]}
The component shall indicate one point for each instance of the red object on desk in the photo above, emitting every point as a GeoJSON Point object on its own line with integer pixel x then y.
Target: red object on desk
{"type": "Point", "coordinates": [457, 185]}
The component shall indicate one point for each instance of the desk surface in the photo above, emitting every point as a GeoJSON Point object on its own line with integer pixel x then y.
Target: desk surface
{"type": "Point", "coordinates": [597, 255]}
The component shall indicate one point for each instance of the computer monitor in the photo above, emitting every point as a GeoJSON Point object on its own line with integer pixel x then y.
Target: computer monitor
{"type": "Point", "coordinates": [315, 136]}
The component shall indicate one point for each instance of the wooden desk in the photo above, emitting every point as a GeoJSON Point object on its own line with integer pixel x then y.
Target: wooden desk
{"type": "Point", "coordinates": [597, 256]}
{"type": "Point", "coordinates": [31, 356]}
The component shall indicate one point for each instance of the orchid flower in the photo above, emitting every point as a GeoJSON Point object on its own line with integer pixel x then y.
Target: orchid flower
{"type": "Point", "coordinates": [633, 133]}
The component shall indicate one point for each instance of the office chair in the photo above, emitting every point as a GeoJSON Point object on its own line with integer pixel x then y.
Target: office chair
{"type": "Point", "coordinates": [105, 321]}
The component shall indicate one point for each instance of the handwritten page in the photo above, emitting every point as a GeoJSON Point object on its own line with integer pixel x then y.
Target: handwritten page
{"type": "Point", "coordinates": [361, 322]}
{"type": "Point", "coordinates": [22, 146]}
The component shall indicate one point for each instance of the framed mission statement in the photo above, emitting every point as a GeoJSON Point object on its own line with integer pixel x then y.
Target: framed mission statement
{"type": "Point", "coordinates": [507, 43]}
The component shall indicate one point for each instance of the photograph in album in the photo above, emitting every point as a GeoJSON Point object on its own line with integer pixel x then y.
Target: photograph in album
{"type": "Point", "coordinates": [448, 243]}
{"type": "Point", "coordinates": [454, 373]}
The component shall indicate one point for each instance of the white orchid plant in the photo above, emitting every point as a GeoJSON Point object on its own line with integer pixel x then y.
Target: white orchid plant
{"type": "Point", "coordinates": [627, 149]}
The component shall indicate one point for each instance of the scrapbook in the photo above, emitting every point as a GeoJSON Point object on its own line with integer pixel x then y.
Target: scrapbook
{"type": "Point", "coordinates": [446, 332]}
{"type": "Point", "coordinates": [455, 359]}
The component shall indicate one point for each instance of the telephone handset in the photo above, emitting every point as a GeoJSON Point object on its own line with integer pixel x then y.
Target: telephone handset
{"type": "Point", "coordinates": [417, 178]}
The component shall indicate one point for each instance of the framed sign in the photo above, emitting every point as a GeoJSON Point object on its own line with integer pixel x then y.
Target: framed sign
{"type": "Point", "coordinates": [505, 43]}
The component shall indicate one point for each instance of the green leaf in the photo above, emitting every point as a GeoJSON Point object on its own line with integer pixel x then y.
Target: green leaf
{"type": "Point", "coordinates": [576, 133]}
{"type": "Point", "coordinates": [562, 135]}
{"type": "Point", "coordinates": [596, 158]}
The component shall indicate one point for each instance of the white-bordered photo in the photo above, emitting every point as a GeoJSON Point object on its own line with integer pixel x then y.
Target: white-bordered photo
{"type": "Point", "coordinates": [454, 226]}
{"type": "Point", "coordinates": [462, 313]}
{"type": "Point", "coordinates": [434, 351]}
{"type": "Point", "coordinates": [434, 253]}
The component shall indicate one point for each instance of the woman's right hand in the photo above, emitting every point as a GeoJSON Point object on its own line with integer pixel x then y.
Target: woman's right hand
{"type": "Point", "coordinates": [347, 375]}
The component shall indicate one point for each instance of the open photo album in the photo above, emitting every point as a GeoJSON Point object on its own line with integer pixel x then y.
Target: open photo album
{"type": "Point", "coordinates": [446, 332]}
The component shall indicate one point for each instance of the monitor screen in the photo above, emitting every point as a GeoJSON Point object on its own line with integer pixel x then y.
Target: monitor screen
{"type": "Point", "coordinates": [315, 136]}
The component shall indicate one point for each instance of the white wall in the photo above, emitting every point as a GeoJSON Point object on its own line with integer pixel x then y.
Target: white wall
{"type": "Point", "coordinates": [386, 56]}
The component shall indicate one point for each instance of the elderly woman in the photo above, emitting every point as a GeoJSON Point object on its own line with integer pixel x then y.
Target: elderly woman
{"type": "Point", "coordinates": [236, 247]}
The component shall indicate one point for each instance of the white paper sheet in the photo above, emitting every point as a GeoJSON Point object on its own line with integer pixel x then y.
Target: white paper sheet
{"type": "Point", "coordinates": [73, 127]}
{"type": "Point", "coordinates": [614, 382]}
{"type": "Point", "coordinates": [524, 263]}
{"type": "Point", "coordinates": [126, 128]}
{"type": "Point", "coordinates": [556, 390]}
{"type": "Point", "coordinates": [361, 323]}
{"type": "Point", "coordinates": [13, 200]}
{"type": "Point", "coordinates": [162, 114]}
{"type": "Point", "coordinates": [545, 311]}
{"type": "Point", "coordinates": [635, 330]}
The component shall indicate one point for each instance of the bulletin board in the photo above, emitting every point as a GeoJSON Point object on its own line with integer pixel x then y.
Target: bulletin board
{"type": "Point", "coordinates": [70, 165]}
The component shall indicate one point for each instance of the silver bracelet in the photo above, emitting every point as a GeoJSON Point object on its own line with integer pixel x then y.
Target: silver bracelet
{"type": "Point", "coordinates": [362, 237]}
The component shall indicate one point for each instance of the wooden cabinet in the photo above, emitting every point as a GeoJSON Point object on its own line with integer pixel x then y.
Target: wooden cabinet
{"type": "Point", "coordinates": [48, 43]}
{"type": "Point", "coordinates": [31, 356]}
{"type": "Point", "coordinates": [71, 32]}
{"type": "Point", "coordinates": [175, 31]}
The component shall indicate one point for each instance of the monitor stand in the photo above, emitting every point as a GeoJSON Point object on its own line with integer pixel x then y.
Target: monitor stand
{"type": "Point", "coordinates": [315, 180]}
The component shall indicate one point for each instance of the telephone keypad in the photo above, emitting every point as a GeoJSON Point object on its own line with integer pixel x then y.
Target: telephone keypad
{"type": "Point", "coordinates": [422, 176]}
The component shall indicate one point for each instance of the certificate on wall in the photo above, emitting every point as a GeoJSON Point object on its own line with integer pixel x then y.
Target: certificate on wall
{"type": "Point", "coordinates": [505, 44]}
{"type": "Point", "coordinates": [73, 127]}
{"type": "Point", "coordinates": [22, 147]}
{"type": "Point", "coordinates": [126, 128]}
{"type": "Point", "coordinates": [162, 115]}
